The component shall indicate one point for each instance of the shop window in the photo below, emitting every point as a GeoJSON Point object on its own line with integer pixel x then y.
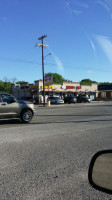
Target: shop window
{"type": "Point", "coordinates": [103, 94]}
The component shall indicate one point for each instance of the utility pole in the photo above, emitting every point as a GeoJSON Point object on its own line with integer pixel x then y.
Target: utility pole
{"type": "Point", "coordinates": [42, 45]}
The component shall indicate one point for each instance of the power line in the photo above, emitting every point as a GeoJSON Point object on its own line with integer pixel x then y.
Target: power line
{"type": "Point", "coordinates": [51, 64]}
{"type": "Point", "coordinates": [19, 60]}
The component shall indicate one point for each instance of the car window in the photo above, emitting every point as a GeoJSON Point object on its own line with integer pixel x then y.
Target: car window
{"type": "Point", "coordinates": [7, 98]}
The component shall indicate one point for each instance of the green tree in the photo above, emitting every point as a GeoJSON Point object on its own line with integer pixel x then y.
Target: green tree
{"type": "Point", "coordinates": [104, 83]}
{"type": "Point", "coordinates": [87, 82]}
{"type": "Point", "coordinates": [18, 82]}
{"type": "Point", "coordinates": [5, 86]}
{"type": "Point", "coordinates": [1, 86]}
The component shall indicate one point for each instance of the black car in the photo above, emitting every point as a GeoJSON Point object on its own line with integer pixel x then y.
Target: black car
{"type": "Point", "coordinates": [83, 99]}
{"type": "Point", "coordinates": [70, 99]}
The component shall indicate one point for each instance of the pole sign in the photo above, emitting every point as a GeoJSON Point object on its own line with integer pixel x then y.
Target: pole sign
{"type": "Point", "coordinates": [48, 79]}
{"type": "Point", "coordinates": [48, 87]}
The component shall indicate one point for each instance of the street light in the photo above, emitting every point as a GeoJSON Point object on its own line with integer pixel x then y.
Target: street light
{"type": "Point", "coordinates": [44, 78]}
{"type": "Point", "coordinates": [49, 54]}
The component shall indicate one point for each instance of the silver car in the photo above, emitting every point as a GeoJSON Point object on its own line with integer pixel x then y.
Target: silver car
{"type": "Point", "coordinates": [56, 100]}
{"type": "Point", "coordinates": [12, 108]}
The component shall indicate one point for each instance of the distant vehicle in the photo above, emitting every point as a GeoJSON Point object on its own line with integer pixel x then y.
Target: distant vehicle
{"type": "Point", "coordinates": [28, 99]}
{"type": "Point", "coordinates": [83, 99]}
{"type": "Point", "coordinates": [70, 99]}
{"type": "Point", "coordinates": [12, 108]}
{"type": "Point", "coordinates": [56, 100]}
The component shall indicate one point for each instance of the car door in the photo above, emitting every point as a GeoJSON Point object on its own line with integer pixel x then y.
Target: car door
{"type": "Point", "coordinates": [9, 106]}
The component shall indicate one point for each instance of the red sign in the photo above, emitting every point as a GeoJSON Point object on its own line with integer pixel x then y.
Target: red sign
{"type": "Point", "coordinates": [78, 87]}
{"type": "Point", "coordinates": [73, 87]}
{"type": "Point", "coordinates": [69, 87]}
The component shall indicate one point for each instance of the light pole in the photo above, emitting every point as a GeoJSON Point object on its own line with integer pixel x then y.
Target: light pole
{"type": "Point", "coordinates": [49, 54]}
{"type": "Point", "coordinates": [42, 45]}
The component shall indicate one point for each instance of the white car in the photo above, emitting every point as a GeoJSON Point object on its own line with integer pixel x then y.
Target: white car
{"type": "Point", "coordinates": [56, 100]}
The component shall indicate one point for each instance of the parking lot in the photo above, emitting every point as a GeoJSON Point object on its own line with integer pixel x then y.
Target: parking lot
{"type": "Point", "coordinates": [49, 158]}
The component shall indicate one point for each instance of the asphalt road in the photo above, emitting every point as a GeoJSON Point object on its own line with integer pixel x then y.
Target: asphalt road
{"type": "Point", "coordinates": [48, 159]}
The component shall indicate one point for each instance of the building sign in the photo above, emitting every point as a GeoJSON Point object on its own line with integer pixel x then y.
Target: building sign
{"type": "Point", "coordinates": [33, 87]}
{"type": "Point", "coordinates": [73, 87]}
{"type": "Point", "coordinates": [69, 87]}
{"type": "Point", "coordinates": [48, 79]}
{"type": "Point", "coordinates": [48, 87]}
{"type": "Point", "coordinates": [78, 87]}
{"type": "Point", "coordinates": [63, 87]}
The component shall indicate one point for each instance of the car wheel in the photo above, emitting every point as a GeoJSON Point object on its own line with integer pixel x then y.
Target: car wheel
{"type": "Point", "coordinates": [26, 116]}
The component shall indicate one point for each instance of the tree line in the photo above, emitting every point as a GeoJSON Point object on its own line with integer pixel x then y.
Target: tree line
{"type": "Point", "coordinates": [6, 85]}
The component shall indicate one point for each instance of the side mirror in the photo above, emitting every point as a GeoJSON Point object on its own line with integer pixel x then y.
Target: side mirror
{"type": "Point", "coordinates": [100, 171]}
{"type": "Point", "coordinates": [12, 100]}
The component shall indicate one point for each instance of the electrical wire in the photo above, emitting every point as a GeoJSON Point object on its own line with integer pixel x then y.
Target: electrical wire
{"type": "Point", "coordinates": [51, 64]}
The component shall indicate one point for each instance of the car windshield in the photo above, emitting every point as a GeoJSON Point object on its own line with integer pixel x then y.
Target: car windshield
{"type": "Point", "coordinates": [56, 59]}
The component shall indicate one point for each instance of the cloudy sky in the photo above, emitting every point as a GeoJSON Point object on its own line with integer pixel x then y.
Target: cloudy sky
{"type": "Point", "coordinates": [79, 36]}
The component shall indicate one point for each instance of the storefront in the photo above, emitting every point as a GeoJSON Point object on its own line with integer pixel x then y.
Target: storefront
{"type": "Point", "coordinates": [105, 92]}
{"type": "Point", "coordinates": [66, 89]}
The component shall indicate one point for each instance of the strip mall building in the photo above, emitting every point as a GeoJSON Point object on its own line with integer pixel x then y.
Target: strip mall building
{"type": "Point", "coordinates": [35, 90]}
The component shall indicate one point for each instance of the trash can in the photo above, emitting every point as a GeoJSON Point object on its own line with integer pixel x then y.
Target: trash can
{"type": "Point", "coordinates": [48, 102]}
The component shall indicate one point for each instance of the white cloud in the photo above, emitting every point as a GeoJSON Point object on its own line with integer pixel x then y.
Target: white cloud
{"type": "Point", "coordinates": [81, 4]}
{"type": "Point", "coordinates": [67, 3]}
{"type": "Point", "coordinates": [106, 45]}
{"type": "Point", "coordinates": [77, 12]}
{"type": "Point", "coordinates": [59, 63]}
{"type": "Point", "coordinates": [76, 7]}
{"type": "Point", "coordinates": [90, 40]}
{"type": "Point", "coordinates": [90, 72]}
{"type": "Point", "coordinates": [107, 5]}
{"type": "Point", "coordinates": [92, 44]}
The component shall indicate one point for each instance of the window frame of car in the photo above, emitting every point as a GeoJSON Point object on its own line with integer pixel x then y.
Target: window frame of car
{"type": "Point", "coordinates": [12, 99]}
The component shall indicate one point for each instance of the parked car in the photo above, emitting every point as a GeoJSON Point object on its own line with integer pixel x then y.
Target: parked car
{"type": "Point", "coordinates": [56, 100]}
{"type": "Point", "coordinates": [12, 108]}
{"type": "Point", "coordinates": [70, 99]}
{"type": "Point", "coordinates": [83, 99]}
{"type": "Point", "coordinates": [28, 99]}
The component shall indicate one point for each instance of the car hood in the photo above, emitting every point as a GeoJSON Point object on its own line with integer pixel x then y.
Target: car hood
{"type": "Point", "coordinates": [60, 100]}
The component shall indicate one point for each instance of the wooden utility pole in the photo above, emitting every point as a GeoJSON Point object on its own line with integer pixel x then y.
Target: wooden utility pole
{"type": "Point", "coordinates": [42, 45]}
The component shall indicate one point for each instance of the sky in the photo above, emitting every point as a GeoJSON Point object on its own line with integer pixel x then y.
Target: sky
{"type": "Point", "coordinates": [79, 37]}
